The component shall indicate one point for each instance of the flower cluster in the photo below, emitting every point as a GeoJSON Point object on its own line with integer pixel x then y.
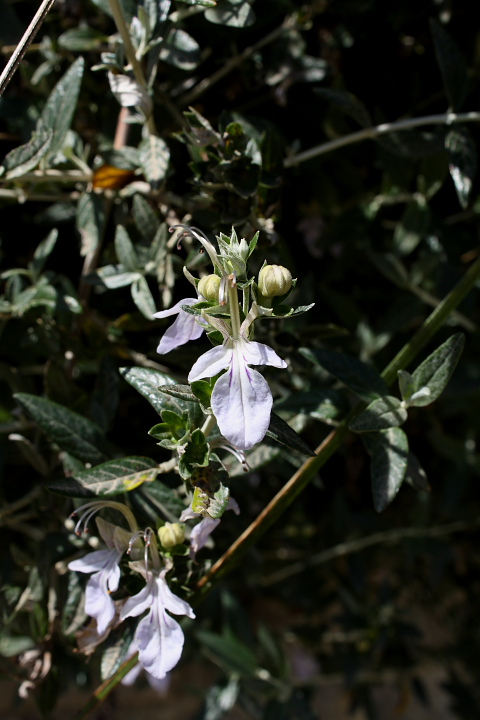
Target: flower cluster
{"type": "Point", "coordinates": [241, 400]}
{"type": "Point", "coordinates": [158, 637]}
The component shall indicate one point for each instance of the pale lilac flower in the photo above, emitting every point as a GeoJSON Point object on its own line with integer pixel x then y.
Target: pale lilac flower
{"type": "Point", "coordinates": [105, 566]}
{"type": "Point", "coordinates": [202, 531]}
{"type": "Point", "coordinates": [184, 329]}
{"type": "Point", "coordinates": [161, 685]}
{"type": "Point", "coordinates": [241, 399]}
{"type": "Point", "coordinates": [158, 637]}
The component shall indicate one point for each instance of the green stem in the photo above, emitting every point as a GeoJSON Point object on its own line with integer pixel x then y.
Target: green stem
{"type": "Point", "coordinates": [131, 55]}
{"type": "Point", "coordinates": [307, 471]}
{"type": "Point", "coordinates": [234, 309]}
{"type": "Point", "coordinates": [209, 425]}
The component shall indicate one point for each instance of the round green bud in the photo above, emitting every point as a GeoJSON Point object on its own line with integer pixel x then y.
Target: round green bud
{"type": "Point", "coordinates": [209, 287]}
{"type": "Point", "coordinates": [171, 534]}
{"type": "Point", "coordinates": [274, 280]}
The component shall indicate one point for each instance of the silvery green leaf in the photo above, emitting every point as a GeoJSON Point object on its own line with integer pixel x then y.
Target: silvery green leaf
{"type": "Point", "coordinates": [233, 13]}
{"type": "Point", "coordinates": [58, 112]}
{"type": "Point", "coordinates": [142, 297]}
{"type": "Point", "coordinates": [70, 431]}
{"type": "Point", "coordinates": [42, 252]}
{"type": "Point", "coordinates": [147, 382]}
{"type": "Point", "coordinates": [281, 431]}
{"type": "Point", "coordinates": [109, 478]}
{"type": "Point", "coordinates": [406, 385]}
{"type": "Point", "coordinates": [435, 372]}
{"type": "Point", "coordinates": [384, 412]}
{"type": "Point", "coordinates": [112, 277]}
{"type": "Point", "coordinates": [90, 221]}
{"type": "Point", "coordinates": [82, 39]}
{"type": "Point", "coordinates": [183, 392]}
{"type": "Point", "coordinates": [26, 157]}
{"type": "Point", "coordinates": [145, 218]}
{"type": "Point", "coordinates": [125, 251]}
{"type": "Point", "coordinates": [154, 159]}
{"type": "Point", "coordinates": [129, 92]}
{"type": "Point", "coordinates": [389, 451]}
{"type": "Point", "coordinates": [180, 50]}
{"type": "Point", "coordinates": [363, 379]}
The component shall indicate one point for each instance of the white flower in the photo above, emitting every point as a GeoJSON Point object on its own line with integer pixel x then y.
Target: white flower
{"type": "Point", "coordinates": [184, 329]}
{"type": "Point", "coordinates": [241, 399]}
{"type": "Point", "coordinates": [158, 637]}
{"type": "Point", "coordinates": [105, 566]}
{"type": "Point", "coordinates": [202, 531]}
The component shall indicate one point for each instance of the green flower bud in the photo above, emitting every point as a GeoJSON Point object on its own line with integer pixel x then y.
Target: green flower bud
{"type": "Point", "coordinates": [209, 287]}
{"type": "Point", "coordinates": [171, 534]}
{"type": "Point", "coordinates": [274, 280]}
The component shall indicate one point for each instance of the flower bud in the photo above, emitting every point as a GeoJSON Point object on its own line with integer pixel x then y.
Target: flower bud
{"type": "Point", "coordinates": [171, 534]}
{"type": "Point", "coordinates": [274, 280]}
{"type": "Point", "coordinates": [209, 287]}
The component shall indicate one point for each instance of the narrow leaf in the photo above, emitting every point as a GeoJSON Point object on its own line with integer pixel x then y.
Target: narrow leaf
{"type": "Point", "coordinates": [125, 251]}
{"type": "Point", "coordinates": [281, 432]}
{"type": "Point", "coordinates": [363, 379]}
{"type": "Point", "coordinates": [147, 383]}
{"type": "Point", "coordinates": [142, 297]}
{"type": "Point", "coordinates": [389, 450]}
{"type": "Point", "coordinates": [382, 413]}
{"type": "Point", "coordinates": [183, 392]}
{"type": "Point", "coordinates": [26, 157]}
{"type": "Point", "coordinates": [69, 430]}
{"type": "Point", "coordinates": [43, 251]}
{"type": "Point", "coordinates": [154, 158]}
{"type": "Point", "coordinates": [110, 478]}
{"type": "Point", "coordinates": [435, 372]}
{"type": "Point", "coordinates": [59, 109]}
{"type": "Point", "coordinates": [451, 63]}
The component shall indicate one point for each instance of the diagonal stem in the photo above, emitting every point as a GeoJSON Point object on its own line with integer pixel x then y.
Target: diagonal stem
{"type": "Point", "coordinates": [24, 44]}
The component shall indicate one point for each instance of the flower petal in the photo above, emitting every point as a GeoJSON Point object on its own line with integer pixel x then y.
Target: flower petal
{"type": "Point", "coordinates": [201, 533]}
{"type": "Point", "coordinates": [136, 604]}
{"type": "Point", "coordinates": [160, 641]}
{"type": "Point", "coordinates": [171, 602]}
{"type": "Point", "coordinates": [92, 562]}
{"type": "Point", "coordinates": [241, 403]}
{"type": "Point", "coordinates": [211, 363]}
{"type": "Point", "coordinates": [184, 329]}
{"type": "Point", "coordinates": [175, 309]}
{"type": "Point", "coordinates": [255, 353]}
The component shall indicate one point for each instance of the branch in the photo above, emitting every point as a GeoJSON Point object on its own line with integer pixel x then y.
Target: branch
{"type": "Point", "coordinates": [376, 131]}
{"type": "Point", "coordinates": [353, 546]}
{"type": "Point", "coordinates": [24, 43]}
